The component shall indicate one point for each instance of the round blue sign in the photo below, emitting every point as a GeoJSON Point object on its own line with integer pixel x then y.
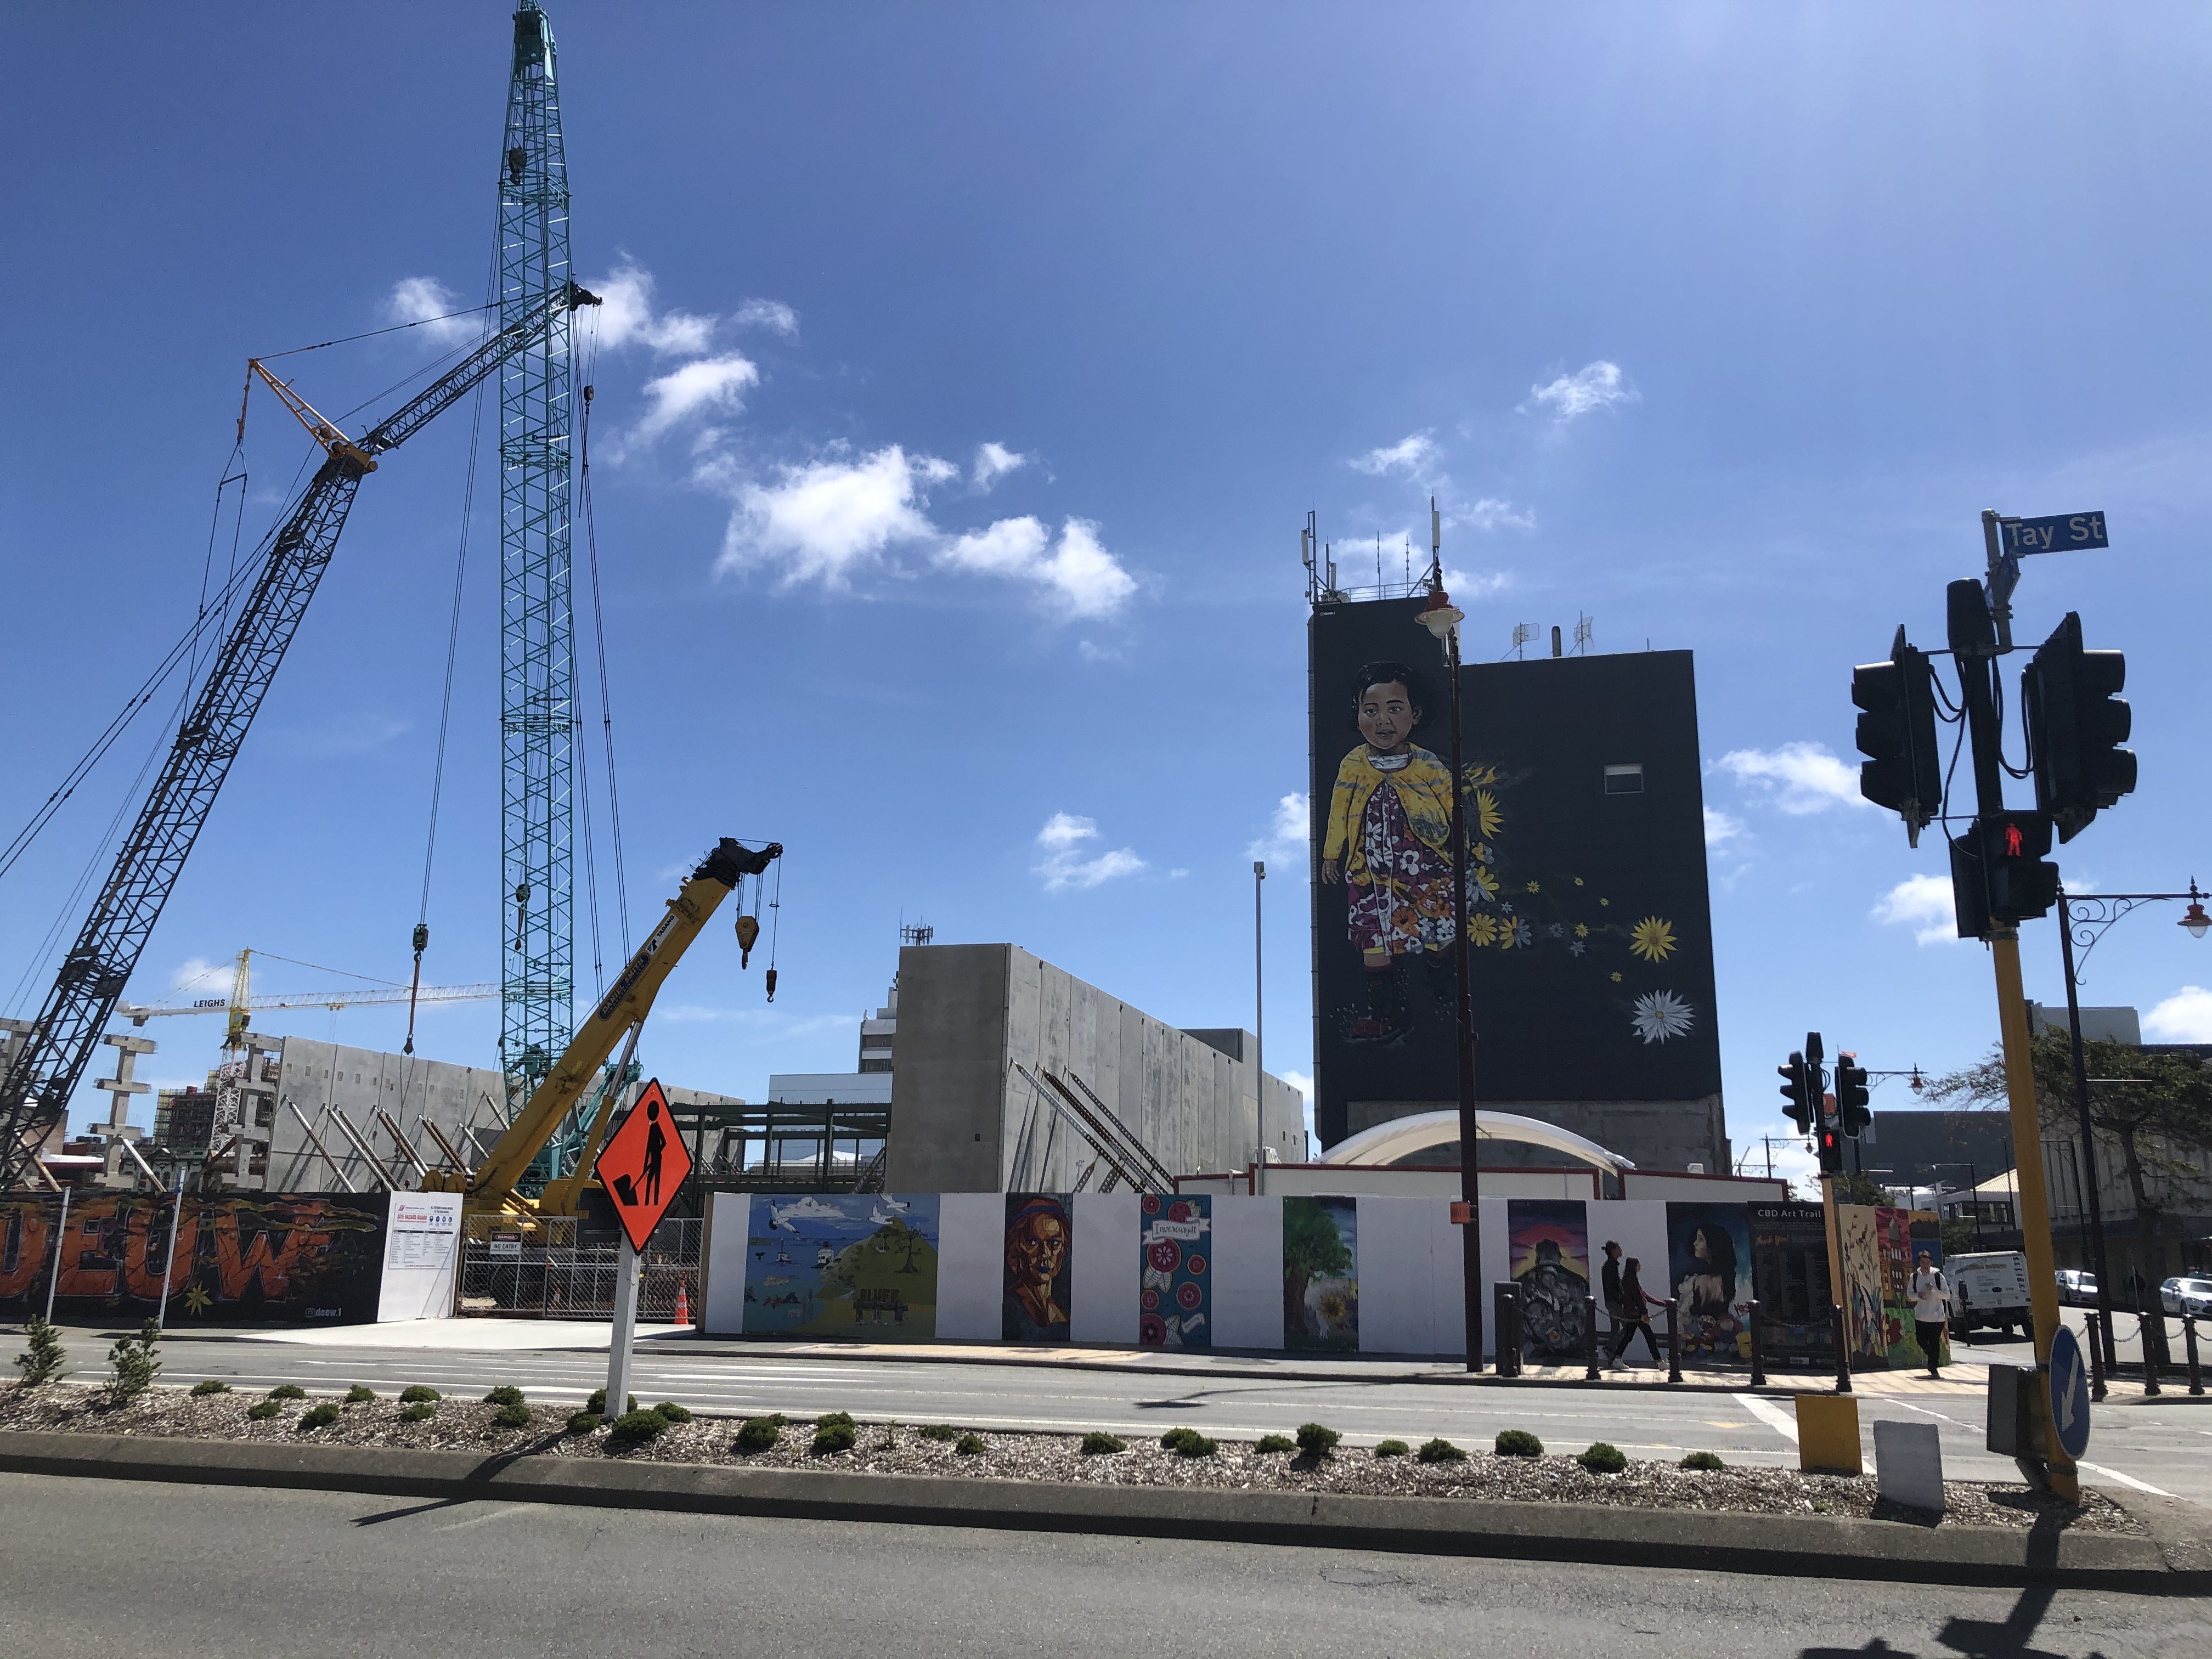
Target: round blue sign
{"type": "Point", "coordinates": [2070, 1394]}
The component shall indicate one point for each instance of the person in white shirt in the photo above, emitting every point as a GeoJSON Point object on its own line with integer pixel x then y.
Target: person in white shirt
{"type": "Point", "coordinates": [1930, 1293]}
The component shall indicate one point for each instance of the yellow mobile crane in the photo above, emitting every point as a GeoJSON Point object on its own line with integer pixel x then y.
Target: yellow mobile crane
{"type": "Point", "coordinates": [491, 1186]}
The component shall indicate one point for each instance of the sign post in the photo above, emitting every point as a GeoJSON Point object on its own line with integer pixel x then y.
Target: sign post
{"type": "Point", "coordinates": [642, 1168]}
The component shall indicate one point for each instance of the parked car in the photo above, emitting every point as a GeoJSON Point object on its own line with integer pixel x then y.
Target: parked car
{"type": "Point", "coordinates": [1989, 1289]}
{"type": "Point", "coordinates": [2189, 1299]}
{"type": "Point", "coordinates": [2077, 1288]}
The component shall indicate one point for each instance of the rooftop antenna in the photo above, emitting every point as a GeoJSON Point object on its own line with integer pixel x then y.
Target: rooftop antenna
{"type": "Point", "coordinates": [1581, 634]}
{"type": "Point", "coordinates": [1523, 633]}
{"type": "Point", "coordinates": [1409, 564]}
{"type": "Point", "coordinates": [1378, 567]}
{"type": "Point", "coordinates": [919, 932]}
{"type": "Point", "coordinates": [1308, 546]}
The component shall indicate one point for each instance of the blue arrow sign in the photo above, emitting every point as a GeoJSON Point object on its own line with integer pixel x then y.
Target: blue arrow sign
{"type": "Point", "coordinates": [2070, 1394]}
{"type": "Point", "coordinates": [2068, 533]}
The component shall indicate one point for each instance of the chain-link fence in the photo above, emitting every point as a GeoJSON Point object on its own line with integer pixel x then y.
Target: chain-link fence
{"type": "Point", "coordinates": [549, 1272]}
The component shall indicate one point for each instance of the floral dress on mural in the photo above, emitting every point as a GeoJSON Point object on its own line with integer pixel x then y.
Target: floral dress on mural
{"type": "Point", "coordinates": [1391, 822]}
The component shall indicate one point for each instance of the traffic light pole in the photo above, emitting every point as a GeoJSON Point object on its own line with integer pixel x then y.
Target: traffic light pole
{"type": "Point", "coordinates": [1973, 643]}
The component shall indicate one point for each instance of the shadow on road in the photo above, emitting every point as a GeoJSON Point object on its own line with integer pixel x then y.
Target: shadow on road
{"type": "Point", "coordinates": [1977, 1639]}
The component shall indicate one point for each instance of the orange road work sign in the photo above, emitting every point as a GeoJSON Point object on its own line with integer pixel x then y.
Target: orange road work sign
{"type": "Point", "coordinates": [644, 1164]}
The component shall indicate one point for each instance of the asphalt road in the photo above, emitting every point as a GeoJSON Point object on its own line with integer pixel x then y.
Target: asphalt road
{"type": "Point", "coordinates": [2165, 1447]}
{"type": "Point", "coordinates": [100, 1569]}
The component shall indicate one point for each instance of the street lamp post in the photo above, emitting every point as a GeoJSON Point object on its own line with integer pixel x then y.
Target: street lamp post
{"type": "Point", "coordinates": [2086, 919]}
{"type": "Point", "coordinates": [1259, 1011]}
{"type": "Point", "coordinates": [1442, 618]}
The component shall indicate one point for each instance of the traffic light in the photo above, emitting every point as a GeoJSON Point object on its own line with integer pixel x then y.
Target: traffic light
{"type": "Point", "coordinates": [1798, 1096]}
{"type": "Point", "coordinates": [1851, 1111]}
{"type": "Point", "coordinates": [2077, 722]}
{"type": "Point", "coordinates": [1830, 1144]}
{"type": "Point", "coordinates": [1903, 771]}
{"type": "Point", "coordinates": [2000, 873]}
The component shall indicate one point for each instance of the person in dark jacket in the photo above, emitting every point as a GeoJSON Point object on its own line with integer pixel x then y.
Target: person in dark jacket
{"type": "Point", "coordinates": [1609, 1283]}
{"type": "Point", "coordinates": [1636, 1305]}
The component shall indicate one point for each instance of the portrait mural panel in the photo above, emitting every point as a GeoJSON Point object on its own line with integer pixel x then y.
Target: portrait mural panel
{"type": "Point", "coordinates": [1040, 1265]}
{"type": "Point", "coordinates": [1548, 1248]}
{"type": "Point", "coordinates": [1708, 1262]}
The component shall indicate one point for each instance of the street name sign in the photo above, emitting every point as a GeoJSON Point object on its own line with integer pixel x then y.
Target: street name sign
{"type": "Point", "coordinates": [2065, 532]}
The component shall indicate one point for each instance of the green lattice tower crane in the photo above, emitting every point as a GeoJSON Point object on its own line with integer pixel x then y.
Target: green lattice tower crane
{"type": "Point", "coordinates": [536, 400]}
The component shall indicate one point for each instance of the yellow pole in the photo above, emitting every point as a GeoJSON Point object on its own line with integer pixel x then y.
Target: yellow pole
{"type": "Point", "coordinates": [2034, 1202]}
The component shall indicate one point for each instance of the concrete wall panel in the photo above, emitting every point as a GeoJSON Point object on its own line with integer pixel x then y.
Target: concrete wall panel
{"type": "Point", "coordinates": [971, 1233]}
{"type": "Point", "coordinates": [722, 1270]}
{"type": "Point", "coordinates": [1247, 1273]}
{"type": "Point", "coordinates": [1105, 1275]}
{"type": "Point", "coordinates": [1397, 1278]}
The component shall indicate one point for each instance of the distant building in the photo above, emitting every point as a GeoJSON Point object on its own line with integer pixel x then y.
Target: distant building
{"type": "Point", "coordinates": [184, 1119]}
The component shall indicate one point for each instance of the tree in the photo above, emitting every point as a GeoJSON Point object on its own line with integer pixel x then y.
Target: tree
{"type": "Point", "coordinates": [2150, 1108]}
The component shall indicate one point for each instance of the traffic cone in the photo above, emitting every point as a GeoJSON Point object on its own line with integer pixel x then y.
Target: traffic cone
{"type": "Point", "coordinates": [683, 1303]}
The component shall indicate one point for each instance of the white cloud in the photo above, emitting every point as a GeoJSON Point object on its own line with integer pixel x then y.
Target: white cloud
{"type": "Point", "coordinates": [1720, 828]}
{"type": "Point", "coordinates": [709, 386]}
{"type": "Point", "coordinates": [1413, 456]}
{"type": "Point", "coordinates": [1594, 385]}
{"type": "Point", "coordinates": [427, 301]}
{"type": "Point", "coordinates": [825, 520]}
{"type": "Point", "coordinates": [1467, 585]}
{"type": "Point", "coordinates": [1798, 777]}
{"type": "Point", "coordinates": [1923, 904]}
{"type": "Point", "coordinates": [1491, 513]}
{"type": "Point", "coordinates": [1062, 843]}
{"type": "Point", "coordinates": [199, 972]}
{"type": "Point", "coordinates": [625, 314]}
{"type": "Point", "coordinates": [2184, 1016]}
{"type": "Point", "coordinates": [1285, 844]}
{"type": "Point", "coordinates": [771, 314]}
{"type": "Point", "coordinates": [992, 462]}
{"type": "Point", "coordinates": [1089, 580]}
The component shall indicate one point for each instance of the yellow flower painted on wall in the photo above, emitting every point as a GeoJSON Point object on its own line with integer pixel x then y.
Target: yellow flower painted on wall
{"type": "Point", "coordinates": [1616, 979]}
{"type": "Point", "coordinates": [1487, 815]}
{"type": "Point", "coordinates": [1482, 929]}
{"type": "Point", "coordinates": [1535, 887]}
{"type": "Point", "coordinates": [1582, 930]}
{"type": "Point", "coordinates": [1652, 938]}
{"type": "Point", "coordinates": [197, 1300]}
{"type": "Point", "coordinates": [1485, 882]}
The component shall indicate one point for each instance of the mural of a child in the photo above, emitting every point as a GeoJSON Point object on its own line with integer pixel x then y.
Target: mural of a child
{"type": "Point", "coordinates": [1389, 841]}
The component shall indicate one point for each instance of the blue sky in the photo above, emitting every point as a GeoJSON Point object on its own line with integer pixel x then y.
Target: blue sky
{"type": "Point", "coordinates": [972, 372]}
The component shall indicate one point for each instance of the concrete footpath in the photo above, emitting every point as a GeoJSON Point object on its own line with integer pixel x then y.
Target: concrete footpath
{"type": "Point", "coordinates": [2174, 1557]}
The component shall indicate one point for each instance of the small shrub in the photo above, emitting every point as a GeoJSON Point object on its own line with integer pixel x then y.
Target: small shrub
{"type": "Point", "coordinates": [969, 1445]}
{"type": "Point", "coordinates": [42, 1358]}
{"type": "Point", "coordinates": [420, 1412]}
{"type": "Point", "coordinates": [635, 1428]}
{"type": "Point", "coordinates": [288, 1391]}
{"type": "Point", "coordinates": [419, 1394]}
{"type": "Point", "coordinates": [1517, 1442]}
{"type": "Point", "coordinates": [1440, 1451]}
{"type": "Point", "coordinates": [1276, 1443]}
{"type": "Point", "coordinates": [1315, 1441]}
{"type": "Point", "coordinates": [262, 1411]}
{"type": "Point", "coordinates": [833, 1419]}
{"type": "Point", "coordinates": [213, 1385]}
{"type": "Point", "coordinates": [757, 1434]}
{"type": "Point", "coordinates": [832, 1437]}
{"type": "Point", "coordinates": [1603, 1458]}
{"type": "Point", "coordinates": [358, 1395]}
{"type": "Point", "coordinates": [1188, 1442]}
{"type": "Point", "coordinates": [132, 1365]}
{"type": "Point", "coordinates": [317, 1416]}
{"type": "Point", "coordinates": [1391, 1449]}
{"type": "Point", "coordinates": [598, 1402]}
{"type": "Point", "coordinates": [674, 1412]}
{"type": "Point", "coordinates": [512, 1417]}
{"type": "Point", "coordinates": [1099, 1443]}
{"type": "Point", "coordinates": [939, 1432]}
{"type": "Point", "coordinates": [504, 1395]}
{"type": "Point", "coordinates": [583, 1422]}
{"type": "Point", "coordinates": [1703, 1461]}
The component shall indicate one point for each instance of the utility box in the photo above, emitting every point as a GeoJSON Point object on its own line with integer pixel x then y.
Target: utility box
{"type": "Point", "coordinates": [1908, 1465]}
{"type": "Point", "coordinates": [2012, 1418]}
{"type": "Point", "coordinates": [1828, 1434]}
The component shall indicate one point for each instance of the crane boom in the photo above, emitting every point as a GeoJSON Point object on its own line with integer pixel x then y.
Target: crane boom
{"type": "Point", "coordinates": [492, 1185]}
{"type": "Point", "coordinates": [47, 1067]}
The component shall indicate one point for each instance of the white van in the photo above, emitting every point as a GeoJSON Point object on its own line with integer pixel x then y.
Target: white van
{"type": "Point", "coordinates": [1989, 1291]}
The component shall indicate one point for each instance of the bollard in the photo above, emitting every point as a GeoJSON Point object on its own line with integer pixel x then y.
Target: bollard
{"type": "Point", "coordinates": [1758, 1354]}
{"type": "Point", "coordinates": [1673, 1348]}
{"type": "Point", "coordinates": [1505, 1330]}
{"type": "Point", "coordinates": [1842, 1334]}
{"type": "Point", "coordinates": [2143, 1341]}
{"type": "Point", "coordinates": [1591, 1372]}
{"type": "Point", "coordinates": [2188, 1347]}
{"type": "Point", "coordinates": [2096, 1359]}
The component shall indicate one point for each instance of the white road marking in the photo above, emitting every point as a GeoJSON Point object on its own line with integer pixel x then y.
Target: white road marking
{"type": "Point", "coordinates": [2125, 1480]}
{"type": "Point", "coordinates": [1771, 1414]}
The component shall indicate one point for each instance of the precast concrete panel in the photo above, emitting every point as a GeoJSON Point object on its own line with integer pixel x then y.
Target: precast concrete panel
{"type": "Point", "coordinates": [971, 1233]}
{"type": "Point", "coordinates": [1248, 1272]}
{"type": "Point", "coordinates": [1105, 1275]}
{"type": "Point", "coordinates": [1397, 1276]}
{"type": "Point", "coordinates": [722, 1268]}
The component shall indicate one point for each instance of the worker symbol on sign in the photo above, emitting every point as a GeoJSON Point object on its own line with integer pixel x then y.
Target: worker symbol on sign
{"type": "Point", "coordinates": [644, 1165]}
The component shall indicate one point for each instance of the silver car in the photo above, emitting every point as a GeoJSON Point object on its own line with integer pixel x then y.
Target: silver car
{"type": "Point", "coordinates": [2187, 1299]}
{"type": "Point", "coordinates": [2077, 1288]}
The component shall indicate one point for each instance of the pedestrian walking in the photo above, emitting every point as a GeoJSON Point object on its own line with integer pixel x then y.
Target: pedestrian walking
{"type": "Point", "coordinates": [1635, 1315]}
{"type": "Point", "coordinates": [1930, 1293]}
{"type": "Point", "coordinates": [1609, 1283]}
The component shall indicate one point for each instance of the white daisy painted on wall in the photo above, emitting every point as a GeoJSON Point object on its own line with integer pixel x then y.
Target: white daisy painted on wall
{"type": "Point", "coordinates": [1661, 1014]}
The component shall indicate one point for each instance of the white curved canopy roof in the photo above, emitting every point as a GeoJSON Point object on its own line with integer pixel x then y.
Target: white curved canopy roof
{"type": "Point", "coordinates": [1401, 1137]}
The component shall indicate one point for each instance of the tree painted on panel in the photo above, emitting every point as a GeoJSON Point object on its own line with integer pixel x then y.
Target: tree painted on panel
{"type": "Point", "coordinates": [1312, 1248]}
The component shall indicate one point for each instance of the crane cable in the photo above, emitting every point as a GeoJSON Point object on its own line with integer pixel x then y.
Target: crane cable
{"type": "Point", "coordinates": [599, 642]}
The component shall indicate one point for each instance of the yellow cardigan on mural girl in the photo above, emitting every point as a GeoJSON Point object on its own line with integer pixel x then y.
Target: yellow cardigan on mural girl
{"type": "Point", "coordinates": [1424, 791]}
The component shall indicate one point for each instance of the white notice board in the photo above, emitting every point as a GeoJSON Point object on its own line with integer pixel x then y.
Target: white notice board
{"type": "Point", "coordinates": [422, 1241]}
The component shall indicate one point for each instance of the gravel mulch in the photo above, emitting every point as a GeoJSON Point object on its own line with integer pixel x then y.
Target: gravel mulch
{"type": "Point", "coordinates": [902, 1449]}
